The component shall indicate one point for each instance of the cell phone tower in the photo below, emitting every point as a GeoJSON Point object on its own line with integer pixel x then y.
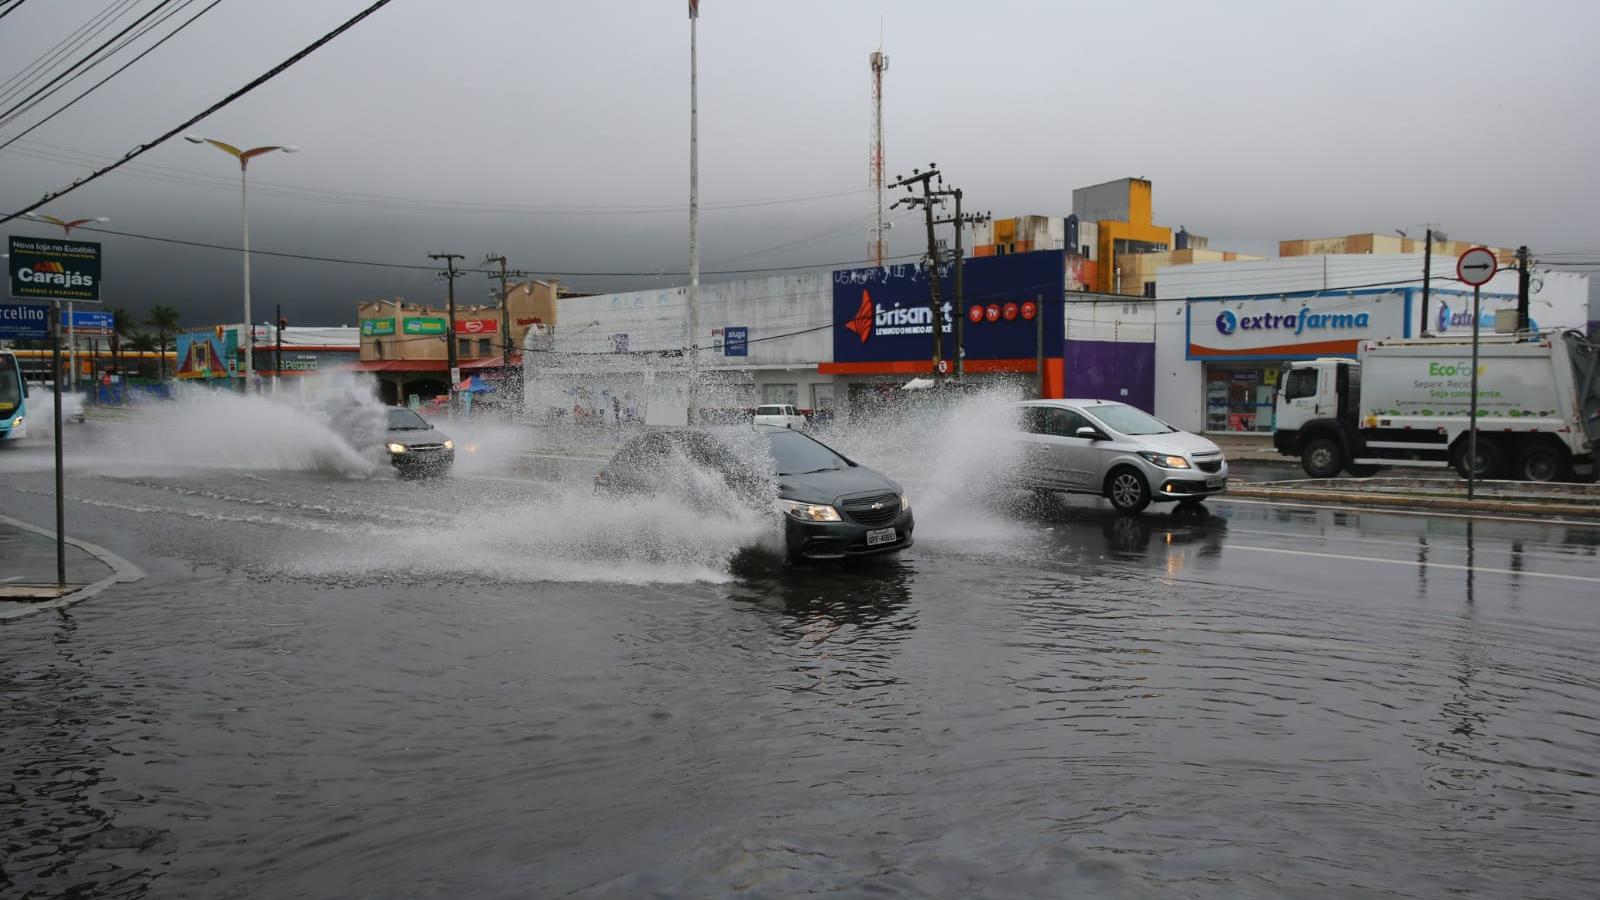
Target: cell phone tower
{"type": "Point", "coordinates": [877, 246]}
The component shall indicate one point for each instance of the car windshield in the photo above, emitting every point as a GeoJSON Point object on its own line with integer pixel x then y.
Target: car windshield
{"type": "Point", "coordinates": [1125, 419]}
{"type": "Point", "coordinates": [769, 410]}
{"type": "Point", "coordinates": [796, 454]}
{"type": "Point", "coordinates": [406, 420]}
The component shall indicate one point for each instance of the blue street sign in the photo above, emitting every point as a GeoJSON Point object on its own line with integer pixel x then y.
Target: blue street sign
{"type": "Point", "coordinates": [736, 340]}
{"type": "Point", "coordinates": [24, 321]}
{"type": "Point", "coordinates": [81, 321]}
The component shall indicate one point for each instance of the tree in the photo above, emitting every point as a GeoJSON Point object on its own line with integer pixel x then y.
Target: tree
{"type": "Point", "coordinates": [163, 319]}
{"type": "Point", "coordinates": [142, 343]}
{"type": "Point", "coordinates": [121, 324]}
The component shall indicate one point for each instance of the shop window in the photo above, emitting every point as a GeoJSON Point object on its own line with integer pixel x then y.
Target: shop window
{"type": "Point", "coordinates": [483, 347]}
{"type": "Point", "coordinates": [464, 347]}
{"type": "Point", "coordinates": [1240, 399]}
{"type": "Point", "coordinates": [780, 394]}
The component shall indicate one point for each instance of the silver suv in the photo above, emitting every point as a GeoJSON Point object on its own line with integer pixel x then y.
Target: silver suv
{"type": "Point", "coordinates": [1116, 451]}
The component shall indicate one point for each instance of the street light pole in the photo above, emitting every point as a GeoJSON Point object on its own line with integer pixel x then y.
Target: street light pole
{"type": "Point", "coordinates": [244, 157]}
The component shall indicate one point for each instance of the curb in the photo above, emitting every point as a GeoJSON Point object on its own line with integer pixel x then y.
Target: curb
{"type": "Point", "coordinates": [1459, 504]}
{"type": "Point", "coordinates": [122, 572]}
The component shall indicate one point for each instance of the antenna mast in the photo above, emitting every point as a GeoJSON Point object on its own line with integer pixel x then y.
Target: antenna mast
{"type": "Point", "coordinates": [877, 246]}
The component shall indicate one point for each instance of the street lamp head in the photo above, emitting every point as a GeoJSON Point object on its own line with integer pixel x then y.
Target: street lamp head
{"type": "Point", "coordinates": [290, 149]}
{"type": "Point", "coordinates": [103, 219]}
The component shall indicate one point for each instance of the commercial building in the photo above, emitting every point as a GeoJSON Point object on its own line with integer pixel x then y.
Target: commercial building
{"type": "Point", "coordinates": [1381, 244]}
{"type": "Point", "coordinates": [405, 344]}
{"type": "Point", "coordinates": [1223, 331]}
{"type": "Point", "coordinates": [828, 342]}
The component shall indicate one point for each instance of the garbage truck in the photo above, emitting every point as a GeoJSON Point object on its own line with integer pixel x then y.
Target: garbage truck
{"type": "Point", "coordinates": [1408, 403]}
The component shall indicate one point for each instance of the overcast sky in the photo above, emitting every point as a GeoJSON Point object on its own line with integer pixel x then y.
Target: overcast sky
{"type": "Point", "coordinates": [542, 129]}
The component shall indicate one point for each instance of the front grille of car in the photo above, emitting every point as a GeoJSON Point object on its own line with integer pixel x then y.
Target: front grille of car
{"type": "Point", "coordinates": [860, 509]}
{"type": "Point", "coordinates": [426, 448]}
{"type": "Point", "coordinates": [1213, 465]}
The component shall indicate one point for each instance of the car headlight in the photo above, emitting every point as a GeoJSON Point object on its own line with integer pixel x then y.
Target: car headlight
{"type": "Point", "coordinates": [17, 422]}
{"type": "Point", "coordinates": [396, 448]}
{"type": "Point", "coordinates": [1165, 460]}
{"type": "Point", "coordinates": [810, 512]}
{"type": "Point", "coordinates": [905, 502]}
{"type": "Point", "coordinates": [449, 444]}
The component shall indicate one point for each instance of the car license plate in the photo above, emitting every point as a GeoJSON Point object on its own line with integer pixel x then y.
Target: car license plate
{"type": "Point", "coordinates": [882, 536]}
{"type": "Point", "coordinates": [1216, 482]}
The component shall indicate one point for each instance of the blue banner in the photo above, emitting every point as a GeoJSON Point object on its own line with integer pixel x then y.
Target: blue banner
{"type": "Point", "coordinates": [24, 322]}
{"type": "Point", "coordinates": [883, 315]}
{"type": "Point", "coordinates": [736, 340]}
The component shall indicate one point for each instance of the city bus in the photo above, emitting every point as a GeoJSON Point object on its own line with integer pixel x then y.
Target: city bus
{"type": "Point", "coordinates": [13, 399]}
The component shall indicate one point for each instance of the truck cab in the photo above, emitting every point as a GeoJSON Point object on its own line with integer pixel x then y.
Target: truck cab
{"type": "Point", "coordinates": [1315, 414]}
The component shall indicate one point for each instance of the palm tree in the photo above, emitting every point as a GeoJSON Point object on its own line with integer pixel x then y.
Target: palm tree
{"type": "Point", "coordinates": [163, 319]}
{"type": "Point", "coordinates": [121, 324]}
{"type": "Point", "coordinates": [141, 343]}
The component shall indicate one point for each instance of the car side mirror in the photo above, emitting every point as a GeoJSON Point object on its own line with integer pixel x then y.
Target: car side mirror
{"type": "Point", "coordinates": [1090, 432]}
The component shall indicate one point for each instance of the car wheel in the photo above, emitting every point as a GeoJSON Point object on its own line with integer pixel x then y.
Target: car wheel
{"type": "Point", "coordinates": [1127, 490]}
{"type": "Point", "coordinates": [1322, 458]}
{"type": "Point", "coordinates": [1487, 465]}
{"type": "Point", "coordinates": [1542, 463]}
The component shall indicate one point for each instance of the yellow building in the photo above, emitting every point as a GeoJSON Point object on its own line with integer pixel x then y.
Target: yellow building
{"type": "Point", "coordinates": [1138, 270]}
{"type": "Point", "coordinates": [1124, 226]}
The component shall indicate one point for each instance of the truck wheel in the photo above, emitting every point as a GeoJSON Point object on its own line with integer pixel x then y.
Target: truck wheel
{"type": "Point", "coordinates": [1127, 490]}
{"type": "Point", "coordinates": [1542, 462]}
{"type": "Point", "coordinates": [1322, 457]}
{"type": "Point", "coordinates": [1488, 462]}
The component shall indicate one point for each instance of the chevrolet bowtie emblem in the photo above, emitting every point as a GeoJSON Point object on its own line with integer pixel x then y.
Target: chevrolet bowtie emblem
{"type": "Point", "coordinates": [877, 506]}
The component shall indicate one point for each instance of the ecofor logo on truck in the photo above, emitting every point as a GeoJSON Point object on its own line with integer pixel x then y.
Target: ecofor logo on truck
{"type": "Point", "coordinates": [1408, 402]}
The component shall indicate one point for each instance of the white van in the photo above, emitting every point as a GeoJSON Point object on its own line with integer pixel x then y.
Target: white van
{"type": "Point", "coordinates": [781, 415]}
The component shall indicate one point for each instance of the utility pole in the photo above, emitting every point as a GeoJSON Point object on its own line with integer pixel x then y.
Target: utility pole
{"type": "Point", "coordinates": [450, 329]}
{"type": "Point", "coordinates": [1523, 323]}
{"type": "Point", "coordinates": [927, 202]}
{"type": "Point", "coordinates": [960, 221]}
{"type": "Point", "coordinates": [1427, 277]}
{"type": "Point", "coordinates": [277, 362]}
{"type": "Point", "coordinates": [693, 312]}
{"type": "Point", "coordinates": [505, 315]}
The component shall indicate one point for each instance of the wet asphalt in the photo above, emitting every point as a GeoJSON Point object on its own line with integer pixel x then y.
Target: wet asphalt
{"type": "Point", "coordinates": [489, 686]}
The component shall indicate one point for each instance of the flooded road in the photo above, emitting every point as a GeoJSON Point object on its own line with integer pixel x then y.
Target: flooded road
{"type": "Point", "coordinates": [488, 687]}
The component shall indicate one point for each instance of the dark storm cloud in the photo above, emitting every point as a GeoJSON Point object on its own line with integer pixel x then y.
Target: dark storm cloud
{"type": "Point", "coordinates": [1257, 121]}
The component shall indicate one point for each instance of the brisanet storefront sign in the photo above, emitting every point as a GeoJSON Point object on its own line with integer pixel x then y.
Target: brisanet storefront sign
{"type": "Point", "coordinates": [882, 316]}
{"type": "Point", "coordinates": [54, 269]}
{"type": "Point", "coordinates": [1294, 326]}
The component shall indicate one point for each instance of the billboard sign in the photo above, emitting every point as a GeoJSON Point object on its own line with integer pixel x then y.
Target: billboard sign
{"type": "Point", "coordinates": [426, 325]}
{"type": "Point", "coordinates": [882, 314]}
{"type": "Point", "coordinates": [1302, 325]}
{"type": "Point", "coordinates": [377, 327]}
{"type": "Point", "coordinates": [211, 353]}
{"type": "Point", "coordinates": [476, 326]}
{"type": "Point", "coordinates": [736, 340]}
{"type": "Point", "coordinates": [54, 269]}
{"type": "Point", "coordinates": [24, 321]}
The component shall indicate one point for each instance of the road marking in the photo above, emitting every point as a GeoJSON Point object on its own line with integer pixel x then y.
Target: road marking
{"type": "Point", "coordinates": [1395, 511]}
{"type": "Point", "coordinates": [1413, 562]}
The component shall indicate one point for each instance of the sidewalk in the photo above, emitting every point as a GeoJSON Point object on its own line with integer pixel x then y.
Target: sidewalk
{"type": "Point", "coordinates": [1250, 447]}
{"type": "Point", "coordinates": [1574, 501]}
{"type": "Point", "coordinates": [28, 570]}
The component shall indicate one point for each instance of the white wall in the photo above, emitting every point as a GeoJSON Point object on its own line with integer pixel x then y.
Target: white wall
{"type": "Point", "coordinates": [799, 306]}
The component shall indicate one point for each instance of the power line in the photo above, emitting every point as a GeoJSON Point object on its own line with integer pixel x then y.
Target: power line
{"type": "Point", "coordinates": [416, 267]}
{"type": "Point", "coordinates": [11, 8]}
{"type": "Point", "coordinates": [120, 69]}
{"type": "Point", "coordinates": [94, 58]}
{"type": "Point", "coordinates": [42, 66]}
{"type": "Point", "coordinates": [252, 85]}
